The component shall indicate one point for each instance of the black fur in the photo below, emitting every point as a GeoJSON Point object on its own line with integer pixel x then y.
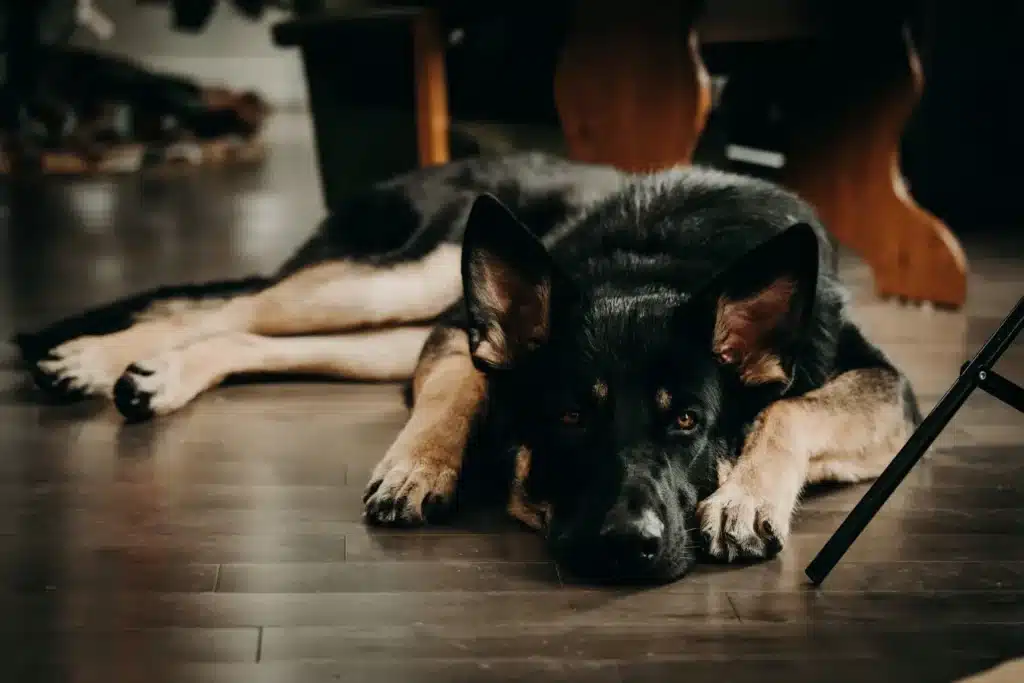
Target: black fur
{"type": "Point", "coordinates": [632, 289]}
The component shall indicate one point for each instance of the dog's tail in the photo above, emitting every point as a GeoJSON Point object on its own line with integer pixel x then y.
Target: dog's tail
{"type": "Point", "coordinates": [123, 313]}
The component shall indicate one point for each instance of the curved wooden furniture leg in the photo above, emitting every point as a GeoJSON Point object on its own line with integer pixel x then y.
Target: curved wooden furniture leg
{"type": "Point", "coordinates": [630, 87]}
{"type": "Point", "coordinates": [844, 159]}
{"type": "Point", "coordinates": [432, 118]}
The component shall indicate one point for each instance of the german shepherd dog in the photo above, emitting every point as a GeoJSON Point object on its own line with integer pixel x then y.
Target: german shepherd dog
{"type": "Point", "coordinates": [657, 364]}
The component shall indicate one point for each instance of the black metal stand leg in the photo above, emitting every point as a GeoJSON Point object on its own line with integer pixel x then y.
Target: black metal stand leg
{"type": "Point", "coordinates": [977, 372]}
{"type": "Point", "coordinates": [1003, 389]}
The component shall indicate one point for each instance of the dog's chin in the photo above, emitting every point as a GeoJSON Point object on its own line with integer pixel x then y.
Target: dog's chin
{"type": "Point", "coordinates": [669, 569]}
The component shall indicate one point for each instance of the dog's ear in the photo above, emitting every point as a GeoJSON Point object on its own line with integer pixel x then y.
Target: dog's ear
{"type": "Point", "coordinates": [507, 277]}
{"type": "Point", "coordinates": [761, 304]}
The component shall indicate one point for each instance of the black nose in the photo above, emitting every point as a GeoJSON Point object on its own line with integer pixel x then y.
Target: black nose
{"type": "Point", "coordinates": [633, 543]}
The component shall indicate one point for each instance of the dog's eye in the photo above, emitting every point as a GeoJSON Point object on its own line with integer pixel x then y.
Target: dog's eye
{"type": "Point", "coordinates": [686, 422]}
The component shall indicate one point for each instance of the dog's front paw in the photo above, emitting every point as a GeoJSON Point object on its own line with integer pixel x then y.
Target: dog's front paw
{"type": "Point", "coordinates": [409, 489]}
{"type": "Point", "coordinates": [738, 524]}
{"type": "Point", "coordinates": [76, 369]}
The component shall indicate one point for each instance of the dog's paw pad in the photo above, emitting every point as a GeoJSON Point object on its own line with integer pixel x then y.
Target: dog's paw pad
{"type": "Point", "coordinates": [410, 494]}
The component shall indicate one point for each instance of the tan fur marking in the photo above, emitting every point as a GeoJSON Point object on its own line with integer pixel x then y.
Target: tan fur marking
{"type": "Point", "coordinates": [845, 431]}
{"type": "Point", "coordinates": [176, 377]}
{"type": "Point", "coordinates": [426, 457]}
{"type": "Point", "coordinates": [663, 399]}
{"type": "Point", "coordinates": [520, 310]}
{"type": "Point", "coordinates": [493, 348]}
{"type": "Point", "coordinates": [741, 327]}
{"type": "Point", "coordinates": [327, 298]}
{"type": "Point", "coordinates": [600, 390]}
{"type": "Point", "coordinates": [497, 287]}
{"type": "Point", "coordinates": [533, 515]}
{"type": "Point", "coordinates": [340, 296]}
{"type": "Point", "coordinates": [723, 468]}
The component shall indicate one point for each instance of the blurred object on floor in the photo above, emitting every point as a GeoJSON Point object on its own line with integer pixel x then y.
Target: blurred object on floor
{"type": "Point", "coordinates": [93, 112]}
{"type": "Point", "coordinates": [193, 16]}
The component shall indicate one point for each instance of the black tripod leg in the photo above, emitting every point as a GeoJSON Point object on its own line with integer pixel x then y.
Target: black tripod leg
{"type": "Point", "coordinates": [1003, 389]}
{"type": "Point", "coordinates": [916, 445]}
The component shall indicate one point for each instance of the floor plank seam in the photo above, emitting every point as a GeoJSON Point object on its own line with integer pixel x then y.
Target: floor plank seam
{"type": "Point", "coordinates": [732, 606]}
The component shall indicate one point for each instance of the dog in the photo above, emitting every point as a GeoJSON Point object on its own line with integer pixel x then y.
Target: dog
{"type": "Point", "coordinates": [95, 111]}
{"type": "Point", "coordinates": [651, 367]}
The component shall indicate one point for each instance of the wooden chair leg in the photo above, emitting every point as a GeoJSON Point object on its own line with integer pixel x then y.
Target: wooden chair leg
{"type": "Point", "coordinates": [844, 159]}
{"type": "Point", "coordinates": [630, 87]}
{"type": "Point", "coordinates": [432, 119]}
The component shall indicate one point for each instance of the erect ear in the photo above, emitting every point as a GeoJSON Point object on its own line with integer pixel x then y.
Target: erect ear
{"type": "Point", "coordinates": [762, 304]}
{"type": "Point", "coordinates": [507, 277]}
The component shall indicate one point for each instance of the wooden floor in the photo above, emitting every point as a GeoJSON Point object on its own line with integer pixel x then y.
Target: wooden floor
{"type": "Point", "coordinates": [225, 543]}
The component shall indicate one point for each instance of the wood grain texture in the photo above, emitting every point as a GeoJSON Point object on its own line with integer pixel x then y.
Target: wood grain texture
{"type": "Point", "coordinates": [224, 543]}
{"type": "Point", "coordinates": [630, 87]}
{"type": "Point", "coordinates": [432, 118]}
{"type": "Point", "coordinates": [845, 159]}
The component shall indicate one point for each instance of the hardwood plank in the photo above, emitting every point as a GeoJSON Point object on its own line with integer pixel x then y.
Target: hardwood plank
{"type": "Point", "coordinates": [259, 546]}
{"type": "Point", "coordinates": [926, 669]}
{"type": "Point", "coordinates": [72, 648]}
{"type": "Point", "coordinates": [373, 577]}
{"type": "Point", "coordinates": [952, 607]}
{"type": "Point", "coordinates": [784, 574]}
{"type": "Point", "coordinates": [419, 671]}
{"type": "Point", "coordinates": [1007, 521]}
{"type": "Point", "coordinates": [367, 545]}
{"type": "Point", "coordinates": [646, 639]}
{"type": "Point", "coordinates": [229, 610]}
{"type": "Point", "coordinates": [918, 494]}
{"type": "Point", "coordinates": [879, 544]}
{"type": "Point", "coordinates": [25, 573]}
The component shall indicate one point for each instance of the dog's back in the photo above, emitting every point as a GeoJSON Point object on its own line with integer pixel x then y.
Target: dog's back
{"type": "Point", "coordinates": [407, 217]}
{"type": "Point", "coordinates": [679, 227]}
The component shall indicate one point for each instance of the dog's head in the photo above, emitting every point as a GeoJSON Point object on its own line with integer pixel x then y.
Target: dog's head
{"type": "Point", "coordinates": [627, 402]}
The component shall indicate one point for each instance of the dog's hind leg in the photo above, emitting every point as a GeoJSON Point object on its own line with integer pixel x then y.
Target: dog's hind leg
{"type": "Point", "coordinates": [844, 431]}
{"type": "Point", "coordinates": [415, 481]}
{"type": "Point", "coordinates": [121, 314]}
{"type": "Point", "coordinates": [167, 382]}
{"type": "Point", "coordinates": [330, 297]}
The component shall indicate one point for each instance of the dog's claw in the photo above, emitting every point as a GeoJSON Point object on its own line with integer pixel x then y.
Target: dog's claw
{"type": "Point", "coordinates": [371, 489]}
{"type": "Point", "coordinates": [137, 369]}
{"type": "Point", "coordinates": [53, 386]}
{"type": "Point", "coordinates": [738, 526]}
{"type": "Point", "coordinates": [436, 508]}
{"type": "Point", "coordinates": [409, 494]}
